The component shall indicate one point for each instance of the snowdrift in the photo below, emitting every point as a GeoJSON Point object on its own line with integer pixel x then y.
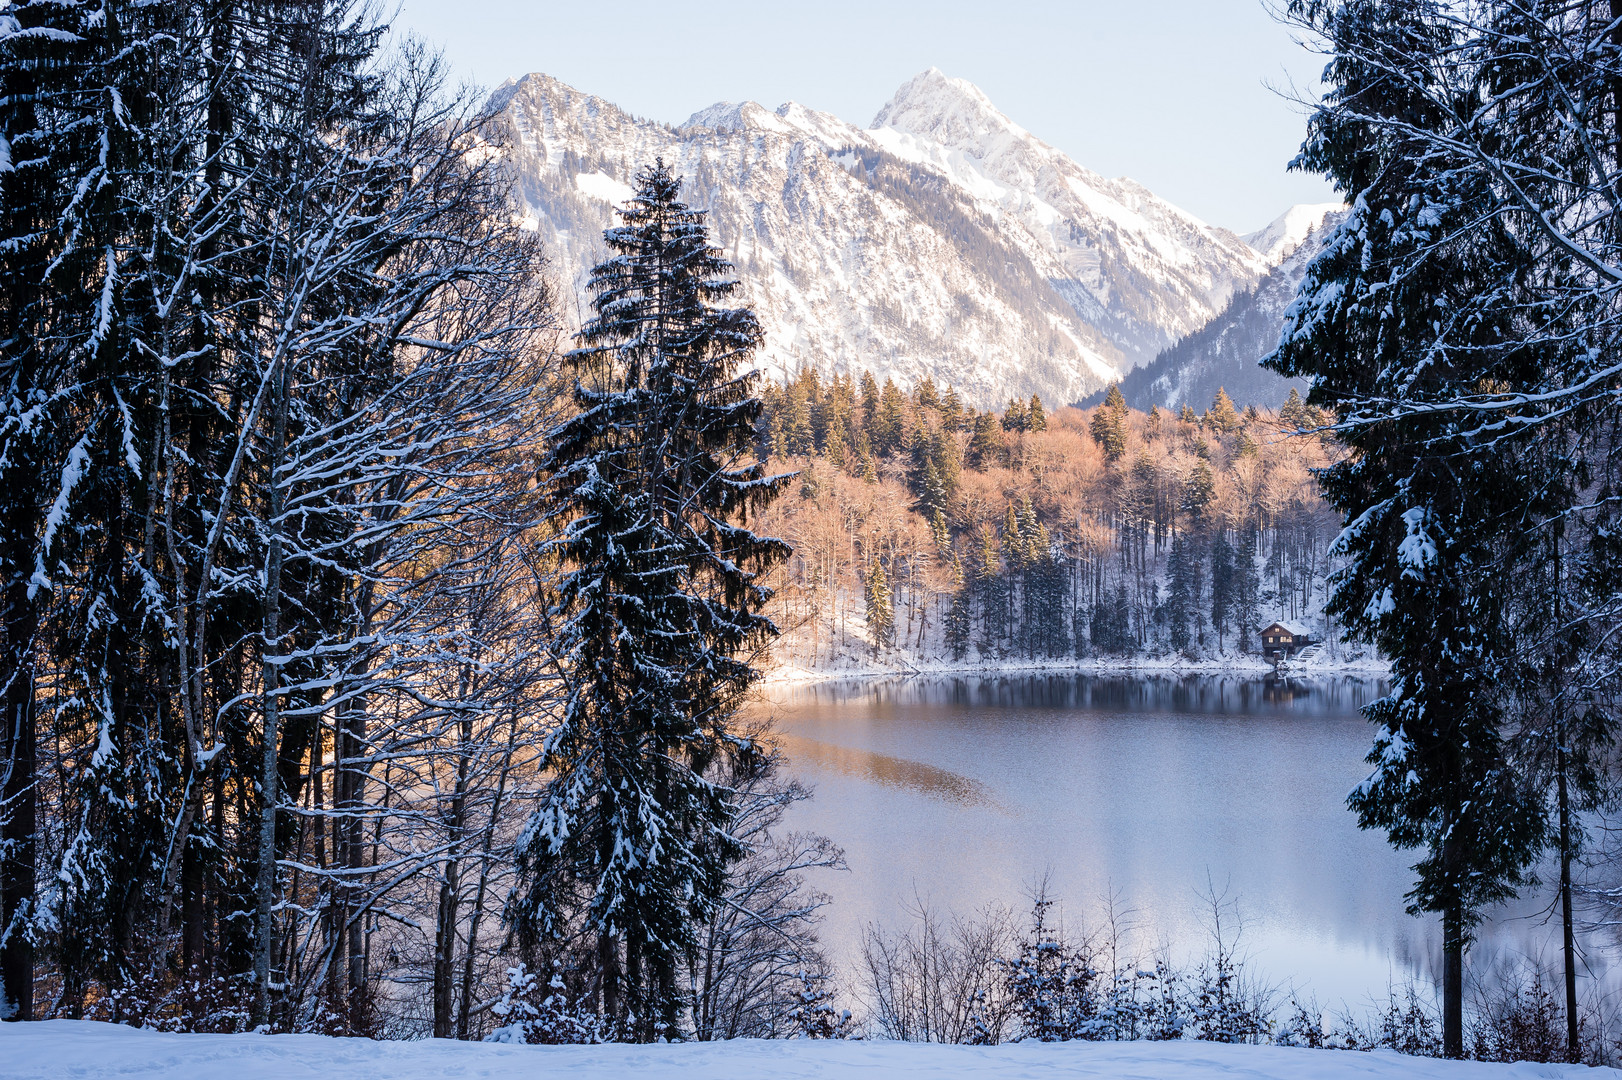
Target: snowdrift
{"type": "Point", "coordinates": [82, 1050]}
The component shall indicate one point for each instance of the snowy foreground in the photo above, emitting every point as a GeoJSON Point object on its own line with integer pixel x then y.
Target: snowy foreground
{"type": "Point", "coordinates": [75, 1050]}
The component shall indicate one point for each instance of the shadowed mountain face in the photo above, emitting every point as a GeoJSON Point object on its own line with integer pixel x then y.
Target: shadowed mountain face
{"type": "Point", "coordinates": [945, 241]}
{"type": "Point", "coordinates": [1227, 351]}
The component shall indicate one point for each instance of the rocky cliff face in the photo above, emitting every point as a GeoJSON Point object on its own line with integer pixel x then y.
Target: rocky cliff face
{"type": "Point", "coordinates": [945, 241]}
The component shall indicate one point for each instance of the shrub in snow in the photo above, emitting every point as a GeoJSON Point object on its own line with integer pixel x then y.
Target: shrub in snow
{"type": "Point", "coordinates": [214, 1004]}
{"type": "Point", "coordinates": [941, 982]}
{"type": "Point", "coordinates": [1408, 1025]}
{"type": "Point", "coordinates": [815, 1016]}
{"type": "Point", "coordinates": [1518, 1019]}
{"type": "Point", "coordinates": [1409, 1028]}
{"type": "Point", "coordinates": [1221, 1009]}
{"type": "Point", "coordinates": [1051, 982]}
{"type": "Point", "coordinates": [1063, 989]}
{"type": "Point", "coordinates": [543, 1014]}
{"type": "Point", "coordinates": [1158, 1014]}
{"type": "Point", "coordinates": [1304, 1026]}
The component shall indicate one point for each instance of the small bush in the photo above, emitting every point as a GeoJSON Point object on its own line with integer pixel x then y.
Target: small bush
{"type": "Point", "coordinates": [1518, 1019]}
{"type": "Point", "coordinates": [544, 1015]}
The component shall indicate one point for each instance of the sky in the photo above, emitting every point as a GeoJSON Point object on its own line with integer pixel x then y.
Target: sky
{"type": "Point", "coordinates": [1191, 98]}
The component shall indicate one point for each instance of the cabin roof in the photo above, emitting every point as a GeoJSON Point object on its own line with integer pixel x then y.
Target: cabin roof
{"type": "Point", "coordinates": [1293, 629]}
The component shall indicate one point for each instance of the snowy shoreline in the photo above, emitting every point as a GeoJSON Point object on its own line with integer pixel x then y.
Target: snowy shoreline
{"type": "Point", "coordinates": [789, 674]}
{"type": "Point", "coordinates": [88, 1050]}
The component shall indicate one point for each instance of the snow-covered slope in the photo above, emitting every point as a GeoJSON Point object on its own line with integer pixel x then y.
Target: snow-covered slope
{"type": "Point", "coordinates": [1142, 270]}
{"type": "Point", "coordinates": [1225, 352]}
{"type": "Point", "coordinates": [945, 241]}
{"type": "Point", "coordinates": [1284, 233]}
{"type": "Point", "coordinates": [88, 1051]}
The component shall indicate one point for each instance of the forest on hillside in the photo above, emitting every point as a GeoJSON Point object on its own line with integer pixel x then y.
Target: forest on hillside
{"type": "Point", "coordinates": [925, 530]}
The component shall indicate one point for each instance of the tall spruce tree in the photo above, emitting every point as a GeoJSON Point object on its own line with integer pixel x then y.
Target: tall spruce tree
{"type": "Point", "coordinates": [1222, 417]}
{"type": "Point", "coordinates": [1038, 415]}
{"type": "Point", "coordinates": [1108, 425]}
{"type": "Point", "coordinates": [991, 592]}
{"type": "Point", "coordinates": [1223, 584]}
{"type": "Point", "coordinates": [77, 194]}
{"type": "Point", "coordinates": [1433, 510]}
{"type": "Point", "coordinates": [660, 597]}
{"type": "Point", "coordinates": [959, 622]}
{"type": "Point", "coordinates": [1182, 595]}
{"type": "Point", "coordinates": [1246, 588]}
{"type": "Point", "coordinates": [880, 612]}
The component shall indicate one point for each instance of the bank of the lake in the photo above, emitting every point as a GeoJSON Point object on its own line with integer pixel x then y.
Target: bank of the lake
{"type": "Point", "coordinates": [878, 665]}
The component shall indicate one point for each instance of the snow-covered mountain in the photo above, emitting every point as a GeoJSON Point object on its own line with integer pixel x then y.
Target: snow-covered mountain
{"type": "Point", "coordinates": [1143, 271]}
{"type": "Point", "coordinates": [1285, 233]}
{"type": "Point", "coordinates": [944, 241]}
{"type": "Point", "coordinates": [1225, 352]}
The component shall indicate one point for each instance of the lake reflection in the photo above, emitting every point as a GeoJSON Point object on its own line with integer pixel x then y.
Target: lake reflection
{"type": "Point", "coordinates": [963, 791]}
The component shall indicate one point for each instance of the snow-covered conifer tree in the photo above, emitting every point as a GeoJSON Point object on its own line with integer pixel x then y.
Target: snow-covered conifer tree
{"type": "Point", "coordinates": [880, 613]}
{"type": "Point", "coordinates": [1413, 305]}
{"type": "Point", "coordinates": [80, 188]}
{"type": "Point", "coordinates": [1182, 594]}
{"type": "Point", "coordinates": [660, 601]}
{"type": "Point", "coordinates": [1223, 584]}
{"type": "Point", "coordinates": [1108, 426]}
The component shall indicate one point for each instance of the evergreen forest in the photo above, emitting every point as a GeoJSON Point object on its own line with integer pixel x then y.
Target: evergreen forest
{"type": "Point", "coordinates": [924, 530]}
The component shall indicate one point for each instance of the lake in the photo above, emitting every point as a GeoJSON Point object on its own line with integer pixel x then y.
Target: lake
{"type": "Point", "coordinates": [965, 791]}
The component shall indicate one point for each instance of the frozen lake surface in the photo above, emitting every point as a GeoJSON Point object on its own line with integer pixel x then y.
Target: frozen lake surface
{"type": "Point", "coordinates": [964, 791]}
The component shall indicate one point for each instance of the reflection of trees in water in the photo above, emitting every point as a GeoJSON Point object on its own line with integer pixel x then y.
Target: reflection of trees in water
{"type": "Point", "coordinates": [1339, 696]}
{"type": "Point", "coordinates": [890, 771]}
{"type": "Point", "coordinates": [1597, 877]}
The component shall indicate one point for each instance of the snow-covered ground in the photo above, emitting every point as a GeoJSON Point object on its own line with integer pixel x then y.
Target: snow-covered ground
{"type": "Point", "coordinates": [80, 1050]}
{"type": "Point", "coordinates": [836, 650]}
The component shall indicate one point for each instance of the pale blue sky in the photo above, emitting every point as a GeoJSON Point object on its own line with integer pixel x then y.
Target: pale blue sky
{"type": "Point", "coordinates": [1173, 93]}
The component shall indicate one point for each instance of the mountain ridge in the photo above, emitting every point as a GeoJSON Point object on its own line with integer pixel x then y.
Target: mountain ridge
{"type": "Point", "coordinates": [1226, 352]}
{"type": "Point", "coordinates": [945, 242]}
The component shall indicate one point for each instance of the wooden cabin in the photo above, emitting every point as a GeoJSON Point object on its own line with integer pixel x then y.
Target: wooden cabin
{"type": "Point", "coordinates": [1282, 640]}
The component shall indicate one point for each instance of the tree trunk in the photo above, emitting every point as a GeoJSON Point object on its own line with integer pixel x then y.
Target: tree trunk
{"type": "Point", "coordinates": [608, 966]}
{"type": "Point", "coordinates": [1453, 982]}
{"type": "Point", "coordinates": [450, 890]}
{"type": "Point", "coordinates": [1568, 938]}
{"type": "Point", "coordinates": [1563, 791]}
{"type": "Point", "coordinates": [193, 891]}
{"type": "Point", "coordinates": [638, 1012]}
{"type": "Point", "coordinates": [353, 826]}
{"type": "Point", "coordinates": [445, 954]}
{"type": "Point", "coordinates": [265, 883]}
{"type": "Point", "coordinates": [17, 807]}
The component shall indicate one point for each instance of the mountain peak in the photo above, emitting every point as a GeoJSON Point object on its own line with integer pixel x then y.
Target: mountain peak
{"type": "Point", "coordinates": [791, 119]}
{"type": "Point", "coordinates": [1281, 236]}
{"type": "Point", "coordinates": [954, 112]}
{"type": "Point", "coordinates": [724, 116]}
{"type": "Point", "coordinates": [539, 86]}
